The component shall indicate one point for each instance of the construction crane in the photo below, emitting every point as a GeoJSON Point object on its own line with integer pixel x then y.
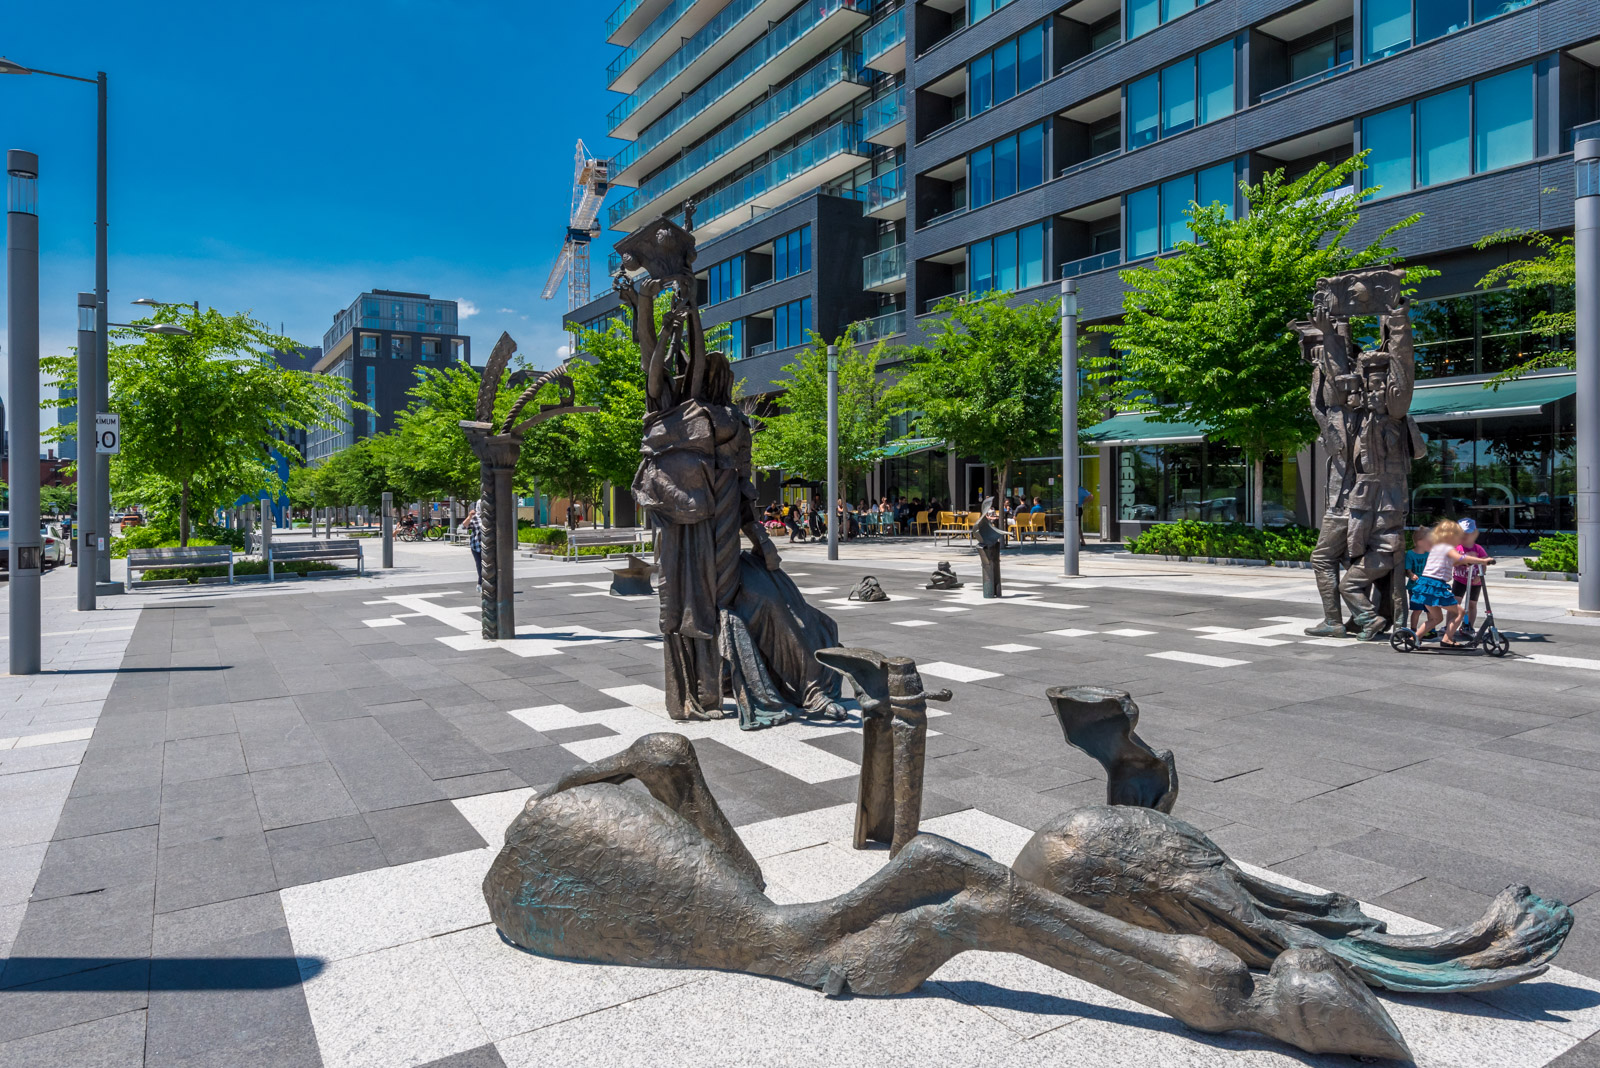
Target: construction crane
{"type": "Point", "coordinates": [589, 185]}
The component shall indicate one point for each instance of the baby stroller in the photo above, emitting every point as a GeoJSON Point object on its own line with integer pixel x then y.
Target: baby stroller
{"type": "Point", "coordinates": [1485, 638]}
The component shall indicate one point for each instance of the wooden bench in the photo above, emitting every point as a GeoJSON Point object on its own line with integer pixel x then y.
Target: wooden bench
{"type": "Point", "coordinates": [142, 560]}
{"type": "Point", "coordinates": [331, 550]}
{"type": "Point", "coordinates": [632, 539]}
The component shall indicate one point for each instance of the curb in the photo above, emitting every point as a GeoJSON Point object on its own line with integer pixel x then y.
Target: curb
{"type": "Point", "coordinates": [1217, 561]}
{"type": "Point", "coordinates": [1543, 576]}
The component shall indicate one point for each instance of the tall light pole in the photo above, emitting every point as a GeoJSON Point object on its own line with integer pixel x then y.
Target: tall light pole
{"type": "Point", "coordinates": [1069, 428]}
{"type": "Point", "coordinates": [89, 528]}
{"type": "Point", "coordinates": [100, 401]}
{"type": "Point", "coordinates": [1587, 298]}
{"type": "Point", "coordinates": [22, 325]}
{"type": "Point", "coordinates": [832, 503]}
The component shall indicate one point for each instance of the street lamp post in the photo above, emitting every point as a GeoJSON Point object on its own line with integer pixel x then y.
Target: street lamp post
{"type": "Point", "coordinates": [22, 318]}
{"type": "Point", "coordinates": [1070, 521]}
{"type": "Point", "coordinates": [89, 527]}
{"type": "Point", "coordinates": [1587, 300]}
{"type": "Point", "coordinates": [101, 397]}
{"type": "Point", "coordinates": [832, 503]}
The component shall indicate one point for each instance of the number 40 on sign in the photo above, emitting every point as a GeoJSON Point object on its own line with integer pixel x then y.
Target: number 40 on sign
{"type": "Point", "coordinates": [107, 433]}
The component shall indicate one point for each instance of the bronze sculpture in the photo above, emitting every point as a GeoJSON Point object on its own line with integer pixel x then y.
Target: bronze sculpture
{"type": "Point", "coordinates": [990, 542]}
{"type": "Point", "coordinates": [943, 578]}
{"type": "Point", "coordinates": [731, 621]}
{"type": "Point", "coordinates": [894, 742]}
{"type": "Point", "coordinates": [497, 450]}
{"type": "Point", "coordinates": [1361, 402]}
{"type": "Point", "coordinates": [1123, 896]}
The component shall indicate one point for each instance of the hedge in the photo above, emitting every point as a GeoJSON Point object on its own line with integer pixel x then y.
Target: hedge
{"type": "Point", "coordinates": [1557, 552]}
{"type": "Point", "coordinates": [240, 567]}
{"type": "Point", "coordinates": [1231, 541]}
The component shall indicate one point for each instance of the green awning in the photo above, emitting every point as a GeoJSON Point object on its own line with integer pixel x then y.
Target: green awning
{"type": "Point", "coordinates": [907, 446]}
{"type": "Point", "coordinates": [1139, 428]}
{"type": "Point", "coordinates": [1470, 400]}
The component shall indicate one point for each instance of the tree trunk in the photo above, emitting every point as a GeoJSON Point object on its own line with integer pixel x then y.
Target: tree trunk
{"type": "Point", "coordinates": [1005, 477]}
{"type": "Point", "coordinates": [1258, 495]}
{"type": "Point", "coordinates": [183, 514]}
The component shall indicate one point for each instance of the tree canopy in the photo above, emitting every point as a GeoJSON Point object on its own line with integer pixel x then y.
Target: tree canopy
{"type": "Point", "coordinates": [989, 380]}
{"type": "Point", "coordinates": [202, 415]}
{"type": "Point", "coordinates": [796, 439]}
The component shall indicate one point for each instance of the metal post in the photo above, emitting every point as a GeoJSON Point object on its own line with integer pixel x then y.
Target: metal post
{"type": "Point", "coordinates": [88, 524]}
{"type": "Point", "coordinates": [1069, 428]}
{"type": "Point", "coordinates": [266, 534]}
{"type": "Point", "coordinates": [1587, 220]}
{"type": "Point", "coordinates": [100, 400]}
{"type": "Point", "coordinates": [388, 530]}
{"type": "Point", "coordinates": [832, 503]}
{"type": "Point", "coordinates": [22, 317]}
{"type": "Point", "coordinates": [505, 535]}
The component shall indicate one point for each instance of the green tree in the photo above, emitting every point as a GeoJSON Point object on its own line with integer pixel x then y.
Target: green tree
{"type": "Point", "coordinates": [1555, 267]}
{"type": "Point", "coordinates": [611, 379]}
{"type": "Point", "coordinates": [58, 500]}
{"type": "Point", "coordinates": [796, 439]}
{"type": "Point", "coordinates": [1205, 333]}
{"type": "Point", "coordinates": [203, 414]}
{"type": "Point", "coordinates": [989, 379]}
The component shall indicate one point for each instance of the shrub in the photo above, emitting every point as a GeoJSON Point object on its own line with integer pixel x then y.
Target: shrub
{"type": "Point", "coordinates": [1234, 541]}
{"type": "Point", "coordinates": [240, 567]}
{"type": "Point", "coordinates": [541, 535]}
{"type": "Point", "coordinates": [1557, 552]}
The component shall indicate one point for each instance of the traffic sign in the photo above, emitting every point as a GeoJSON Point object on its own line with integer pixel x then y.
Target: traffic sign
{"type": "Point", "coordinates": [107, 433]}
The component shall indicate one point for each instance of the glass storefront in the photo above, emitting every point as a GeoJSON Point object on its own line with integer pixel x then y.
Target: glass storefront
{"type": "Point", "coordinates": [1204, 481]}
{"type": "Point", "coordinates": [1514, 474]}
{"type": "Point", "coordinates": [1483, 333]}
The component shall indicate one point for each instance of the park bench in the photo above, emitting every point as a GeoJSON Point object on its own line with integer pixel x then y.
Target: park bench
{"type": "Point", "coordinates": [331, 551]}
{"type": "Point", "coordinates": [142, 560]}
{"type": "Point", "coordinates": [629, 539]}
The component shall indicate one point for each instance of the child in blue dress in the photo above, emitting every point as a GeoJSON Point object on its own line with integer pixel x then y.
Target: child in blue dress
{"type": "Point", "coordinates": [1433, 588]}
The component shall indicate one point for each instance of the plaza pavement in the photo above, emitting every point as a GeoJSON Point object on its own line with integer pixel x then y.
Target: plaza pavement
{"type": "Point", "coordinates": [262, 843]}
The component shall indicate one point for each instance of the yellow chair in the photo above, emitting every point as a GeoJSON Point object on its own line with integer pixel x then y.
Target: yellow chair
{"type": "Point", "coordinates": [920, 524]}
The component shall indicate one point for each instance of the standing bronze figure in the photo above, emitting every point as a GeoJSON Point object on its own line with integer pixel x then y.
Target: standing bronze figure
{"type": "Point", "coordinates": [731, 621]}
{"type": "Point", "coordinates": [1361, 401]}
{"type": "Point", "coordinates": [497, 450]}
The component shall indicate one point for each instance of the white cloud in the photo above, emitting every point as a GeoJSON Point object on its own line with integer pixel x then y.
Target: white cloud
{"type": "Point", "coordinates": [508, 311]}
{"type": "Point", "coordinates": [563, 351]}
{"type": "Point", "coordinates": [465, 309]}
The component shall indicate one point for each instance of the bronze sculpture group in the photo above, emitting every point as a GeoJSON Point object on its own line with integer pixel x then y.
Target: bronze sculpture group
{"type": "Point", "coordinates": [1122, 895]}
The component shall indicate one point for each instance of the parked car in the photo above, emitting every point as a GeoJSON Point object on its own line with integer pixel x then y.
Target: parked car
{"type": "Point", "coordinates": [52, 541]}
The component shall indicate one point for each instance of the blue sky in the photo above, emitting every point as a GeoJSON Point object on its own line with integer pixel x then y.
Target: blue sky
{"type": "Point", "coordinates": [282, 157]}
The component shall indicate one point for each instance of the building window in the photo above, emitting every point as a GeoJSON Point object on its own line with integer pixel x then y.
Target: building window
{"type": "Point", "coordinates": [1006, 167]}
{"type": "Point", "coordinates": [1155, 217]}
{"type": "Point", "coordinates": [1189, 93]}
{"type": "Point", "coordinates": [735, 344]}
{"type": "Point", "coordinates": [1002, 73]}
{"type": "Point", "coordinates": [1142, 16]}
{"type": "Point", "coordinates": [791, 323]}
{"type": "Point", "coordinates": [399, 347]}
{"type": "Point", "coordinates": [372, 398]}
{"type": "Point", "coordinates": [1332, 51]}
{"type": "Point", "coordinates": [1440, 138]}
{"type": "Point", "coordinates": [725, 280]}
{"type": "Point", "coordinates": [432, 348]}
{"type": "Point", "coordinates": [457, 347]}
{"type": "Point", "coordinates": [791, 253]}
{"type": "Point", "coordinates": [978, 10]}
{"type": "Point", "coordinates": [1390, 26]}
{"type": "Point", "coordinates": [1008, 262]}
{"type": "Point", "coordinates": [369, 344]}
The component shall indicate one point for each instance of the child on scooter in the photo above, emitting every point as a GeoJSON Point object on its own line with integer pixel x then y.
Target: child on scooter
{"type": "Point", "coordinates": [1416, 560]}
{"type": "Point", "coordinates": [1433, 588]}
{"type": "Point", "coordinates": [1467, 581]}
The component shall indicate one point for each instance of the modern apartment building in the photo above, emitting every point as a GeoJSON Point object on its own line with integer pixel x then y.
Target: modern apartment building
{"type": "Point", "coordinates": [1035, 140]}
{"type": "Point", "coordinates": [378, 344]}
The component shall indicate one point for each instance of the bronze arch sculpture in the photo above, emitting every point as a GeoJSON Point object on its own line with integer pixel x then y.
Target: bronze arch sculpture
{"type": "Point", "coordinates": [1126, 897]}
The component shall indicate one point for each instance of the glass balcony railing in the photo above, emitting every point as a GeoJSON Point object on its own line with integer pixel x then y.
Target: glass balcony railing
{"type": "Point", "coordinates": [838, 68]}
{"type": "Point", "coordinates": [889, 33]}
{"type": "Point", "coordinates": [763, 348]}
{"type": "Point", "coordinates": [871, 330]}
{"type": "Point", "coordinates": [652, 33]}
{"type": "Point", "coordinates": [884, 190]}
{"type": "Point", "coordinates": [1089, 264]}
{"type": "Point", "coordinates": [844, 137]}
{"type": "Point", "coordinates": [1091, 162]}
{"type": "Point", "coordinates": [933, 302]}
{"type": "Point", "coordinates": [777, 39]}
{"type": "Point", "coordinates": [620, 15]}
{"type": "Point", "coordinates": [1308, 80]}
{"type": "Point", "coordinates": [884, 266]}
{"type": "Point", "coordinates": [879, 115]}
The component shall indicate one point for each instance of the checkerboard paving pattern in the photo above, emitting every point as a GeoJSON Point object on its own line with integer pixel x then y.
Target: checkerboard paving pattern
{"type": "Point", "coordinates": [281, 821]}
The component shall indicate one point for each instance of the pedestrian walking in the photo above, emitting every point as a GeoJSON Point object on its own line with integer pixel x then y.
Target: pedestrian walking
{"type": "Point", "coordinates": [474, 525]}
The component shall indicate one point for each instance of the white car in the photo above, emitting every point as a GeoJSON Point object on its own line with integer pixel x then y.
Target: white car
{"type": "Point", "coordinates": [52, 540]}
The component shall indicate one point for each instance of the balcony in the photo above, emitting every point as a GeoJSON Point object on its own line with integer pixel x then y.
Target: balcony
{"type": "Point", "coordinates": [960, 296]}
{"type": "Point", "coordinates": [1094, 162]}
{"type": "Point", "coordinates": [718, 48]}
{"type": "Point", "coordinates": [883, 47]}
{"type": "Point", "coordinates": [871, 331]}
{"type": "Point", "coordinates": [631, 16]}
{"type": "Point", "coordinates": [821, 90]}
{"type": "Point", "coordinates": [884, 271]}
{"type": "Point", "coordinates": [884, 120]}
{"type": "Point", "coordinates": [654, 44]}
{"type": "Point", "coordinates": [763, 349]}
{"type": "Point", "coordinates": [1090, 264]}
{"type": "Point", "coordinates": [1308, 81]}
{"type": "Point", "coordinates": [885, 196]}
{"type": "Point", "coordinates": [828, 155]}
